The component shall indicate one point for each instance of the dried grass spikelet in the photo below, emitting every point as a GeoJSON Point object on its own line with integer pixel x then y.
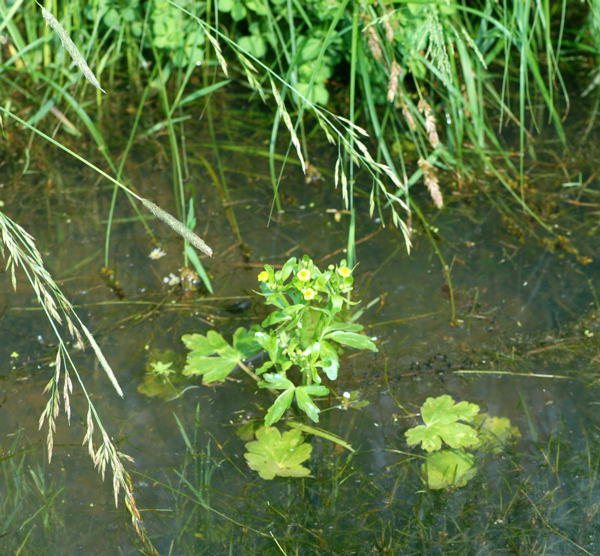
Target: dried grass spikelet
{"type": "Point", "coordinates": [389, 30]}
{"type": "Point", "coordinates": [393, 81]}
{"type": "Point", "coordinates": [408, 116]}
{"type": "Point", "coordinates": [431, 181]}
{"type": "Point", "coordinates": [176, 226]}
{"type": "Point", "coordinates": [374, 42]}
{"type": "Point", "coordinates": [70, 47]}
{"type": "Point", "coordinates": [430, 123]}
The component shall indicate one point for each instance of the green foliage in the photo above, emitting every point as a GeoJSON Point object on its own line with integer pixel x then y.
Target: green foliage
{"type": "Point", "coordinates": [302, 338]}
{"type": "Point", "coordinates": [441, 416]}
{"type": "Point", "coordinates": [161, 26]}
{"type": "Point", "coordinates": [306, 331]}
{"type": "Point", "coordinates": [455, 467]}
{"type": "Point", "coordinates": [213, 358]}
{"type": "Point", "coordinates": [176, 33]}
{"type": "Point", "coordinates": [273, 454]}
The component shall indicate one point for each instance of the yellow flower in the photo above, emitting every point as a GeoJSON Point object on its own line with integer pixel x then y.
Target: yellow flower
{"type": "Point", "coordinates": [344, 271]}
{"type": "Point", "coordinates": [263, 276]}
{"type": "Point", "coordinates": [309, 294]}
{"type": "Point", "coordinates": [303, 275]}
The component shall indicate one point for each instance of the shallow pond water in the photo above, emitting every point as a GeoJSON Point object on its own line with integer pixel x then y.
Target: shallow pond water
{"type": "Point", "coordinates": [524, 345]}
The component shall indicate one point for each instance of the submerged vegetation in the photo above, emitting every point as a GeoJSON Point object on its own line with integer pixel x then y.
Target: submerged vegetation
{"type": "Point", "coordinates": [445, 468]}
{"type": "Point", "coordinates": [417, 101]}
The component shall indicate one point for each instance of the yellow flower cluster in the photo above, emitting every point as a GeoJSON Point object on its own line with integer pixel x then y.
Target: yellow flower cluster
{"type": "Point", "coordinates": [309, 293]}
{"type": "Point", "coordinates": [303, 275]}
{"type": "Point", "coordinates": [263, 276]}
{"type": "Point", "coordinates": [344, 271]}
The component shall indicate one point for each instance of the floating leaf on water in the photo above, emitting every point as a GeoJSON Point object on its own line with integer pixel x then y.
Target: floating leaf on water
{"type": "Point", "coordinates": [273, 454]}
{"type": "Point", "coordinates": [213, 358]}
{"type": "Point", "coordinates": [441, 416]}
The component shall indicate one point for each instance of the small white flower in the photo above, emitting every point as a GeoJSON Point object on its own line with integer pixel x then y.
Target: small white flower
{"type": "Point", "coordinates": [171, 279]}
{"type": "Point", "coordinates": [346, 395]}
{"type": "Point", "coordinates": [157, 253]}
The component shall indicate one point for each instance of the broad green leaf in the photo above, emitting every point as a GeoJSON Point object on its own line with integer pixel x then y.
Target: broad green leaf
{"type": "Point", "coordinates": [216, 340]}
{"type": "Point", "coordinates": [358, 341]}
{"type": "Point", "coordinates": [264, 367]}
{"type": "Point", "coordinates": [306, 404]}
{"type": "Point", "coordinates": [443, 410]}
{"type": "Point", "coordinates": [226, 5]}
{"type": "Point", "coordinates": [448, 468]}
{"type": "Point", "coordinates": [494, 433]}
{"type": "Point", "coordinates": [322, 433]}
{"type": "Point", "coordinates": [441, 416]}
{"type": "Point", "coordinates": [253, 44]}
{"type": "Point", "coordinates": [269, 344]}
{"type": "Point", "coordinates": [330, 362]}
{"type": "Point", "coordinates": [343, 327]}
{"type": "Point", "coordinates": [337, 301]}
{"type": "Point", "coordinates": [244, 341]}
{"type": "Point", "coordinates": [310, 49]}
{"type": "Point", "coordinates": [238, 11]}
{"type": "Point", "coordinates": [210, 356]}
{"type": "Point", "coordinates": [456, 435]}
{"type": "Point", "coordinates": [292, 310]}
{"type": "Point", "coordinates": [198, 344]}
{"type": "Point", "coordinates": [315, 389]}
{"type": "Point", "coordinates": [276, 381]}
{"type": "Point", "coordinates": [275, 299]}
{"type": "Point", "coordinates": [304, 401]}
{"type": "Point", "coordinates": [279, 407]}
{"type": "Point", "coordinates": [257, 6]}
{"type": "Point", "coordinates": [273, 454]}
{"type": "Point", "coordinates": [212, 368]}
{"type": "Point", "coordinates": [287, 269]}
{"type": "Point", "coordinates": [275, 318]}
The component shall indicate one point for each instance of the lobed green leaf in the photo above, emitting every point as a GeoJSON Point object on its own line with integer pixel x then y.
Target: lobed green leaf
{"type": "Point", "coordinates": [273, 454]}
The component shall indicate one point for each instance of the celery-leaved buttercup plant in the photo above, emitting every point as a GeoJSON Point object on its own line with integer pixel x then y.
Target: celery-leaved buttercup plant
{"type": "Point", "coordinates": [302, 338]}
{"type": "Point", "coordinates": [450, 433]}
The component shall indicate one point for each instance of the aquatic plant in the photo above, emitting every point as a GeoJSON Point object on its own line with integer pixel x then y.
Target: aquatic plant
{"type": "Point", "coordinates": [304, 334]}
{"type": "Point", "coordinates": [463, 429]}
{"type": "Point", "coordinates": [302, 339]}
